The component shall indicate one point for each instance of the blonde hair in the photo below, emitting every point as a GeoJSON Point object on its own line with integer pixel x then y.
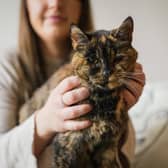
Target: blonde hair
{"type": "Point", "coordinates": [29, 52]}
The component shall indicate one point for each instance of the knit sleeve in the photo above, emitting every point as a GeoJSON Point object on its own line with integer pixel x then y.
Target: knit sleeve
{"type": "Point", "coordinates": [15, 140]}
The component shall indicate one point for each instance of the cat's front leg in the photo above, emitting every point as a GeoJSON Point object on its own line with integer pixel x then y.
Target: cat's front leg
{"type": "Point", "coordinates": [107, 158]}
{"type": "Point", "coordinates": [111, 155]}
{"type": "Point", "coordinates": [71, 151]}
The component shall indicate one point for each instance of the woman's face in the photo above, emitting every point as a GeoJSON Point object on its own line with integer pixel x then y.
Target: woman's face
{"type": "Point", "coordinates": [51, 19]}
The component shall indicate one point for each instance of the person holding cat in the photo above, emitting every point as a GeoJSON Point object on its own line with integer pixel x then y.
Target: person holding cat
{"type": "Point", "coordinates": [44, 46]}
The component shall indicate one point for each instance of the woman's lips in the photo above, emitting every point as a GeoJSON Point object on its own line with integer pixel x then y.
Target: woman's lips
{"type": "Point", "coordinates": [56, 19]}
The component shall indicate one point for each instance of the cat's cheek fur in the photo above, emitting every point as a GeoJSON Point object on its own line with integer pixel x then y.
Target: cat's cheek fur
{"type": "Point", "coordinates": [79, 70]}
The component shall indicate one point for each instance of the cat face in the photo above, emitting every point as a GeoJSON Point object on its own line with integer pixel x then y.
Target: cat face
{"type": "Point", "coordinates": [104, 58]}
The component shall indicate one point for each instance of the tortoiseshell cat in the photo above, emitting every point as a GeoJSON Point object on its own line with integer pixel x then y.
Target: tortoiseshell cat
{"type": "Point", "coordinates": [103, 60]}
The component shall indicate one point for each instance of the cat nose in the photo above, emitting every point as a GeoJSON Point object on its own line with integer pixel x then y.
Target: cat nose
{"type": "Point", "coordinates": [106, 73]}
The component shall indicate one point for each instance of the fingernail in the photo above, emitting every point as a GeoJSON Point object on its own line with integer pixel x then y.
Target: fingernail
{"type": "Point", "coordinates": [77, 79]}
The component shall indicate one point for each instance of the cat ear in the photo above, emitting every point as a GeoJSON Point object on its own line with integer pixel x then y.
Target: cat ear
{"type": "Point", "coordinates": [77, 36]}
{"type": "Point", "coordinates": [124, 32]}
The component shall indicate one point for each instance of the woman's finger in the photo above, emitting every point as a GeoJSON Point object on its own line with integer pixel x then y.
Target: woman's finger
{"type": "Point", "coordinates": [67, 84]}
{"type": "Point", "coordinates": [76, 125]}
{"type": "Point", "coordinates": [130, 98]}
{"type": "Point", "coordinates": [138, 74]}
{"type": "Point", "coordinates": [134, 86]}
{"type": "Point", "coordinates": [73, 112]}
{"type": "Point", "coordinates": [138, 66]}
{"type": "Point", "coordinates": [75, 96]}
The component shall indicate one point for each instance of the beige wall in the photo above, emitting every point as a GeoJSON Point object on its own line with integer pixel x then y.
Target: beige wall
{"type": "Point", "coordinates": [150, 35]}
{"type": "Point", "coordinates": [9, 10]}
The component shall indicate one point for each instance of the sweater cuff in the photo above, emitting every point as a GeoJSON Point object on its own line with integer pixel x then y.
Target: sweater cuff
{"type": "Point", "coordinates": [26, 135]}
{"type": "Point", "coordinates": [17, 146]}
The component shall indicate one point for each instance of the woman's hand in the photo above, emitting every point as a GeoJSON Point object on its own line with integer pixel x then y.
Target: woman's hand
{"type": "Point", "coordinates": [58, 113]}
{"type": "Point", "coordinates": [135, 86]}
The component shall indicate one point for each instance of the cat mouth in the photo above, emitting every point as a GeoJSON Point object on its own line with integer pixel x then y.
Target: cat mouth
{"type": "Point", "coordinates": [103, 87]}
{"type": "Point", "coordinates": [98, 83]}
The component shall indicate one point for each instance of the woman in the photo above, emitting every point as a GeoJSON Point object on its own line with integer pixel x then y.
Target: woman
{"type": "Point", "coordinates": [43, 46]}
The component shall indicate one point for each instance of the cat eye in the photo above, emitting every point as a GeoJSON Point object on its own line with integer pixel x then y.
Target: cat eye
{"type": "Point", "coordinates": [90, 59]}
{"type": "Point", "coordinates": [91, 56]}
{"type": "Point", "coordinates": [119, 58]}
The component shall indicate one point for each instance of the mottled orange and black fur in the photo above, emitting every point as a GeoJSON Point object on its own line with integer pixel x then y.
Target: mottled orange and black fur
{"type": "Point", "coordinates": [103, 60]}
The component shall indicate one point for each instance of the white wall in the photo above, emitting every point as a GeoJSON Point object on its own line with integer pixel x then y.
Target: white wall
{"type": "Point", "coordinates": [150, 35]}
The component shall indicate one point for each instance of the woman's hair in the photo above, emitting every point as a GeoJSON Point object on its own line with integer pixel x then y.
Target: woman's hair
{"type": "Point", "coordinates": [29, 52]}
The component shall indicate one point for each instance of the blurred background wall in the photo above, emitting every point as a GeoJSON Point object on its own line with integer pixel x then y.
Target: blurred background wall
{"type": "Point", "coordinates": [150, 33]}
{"type": "Point", "coordinates": [9, 13]}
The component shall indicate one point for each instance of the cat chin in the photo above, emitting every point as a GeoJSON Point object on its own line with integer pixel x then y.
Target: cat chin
{"type": "Point", "coordinates": [102, 88]}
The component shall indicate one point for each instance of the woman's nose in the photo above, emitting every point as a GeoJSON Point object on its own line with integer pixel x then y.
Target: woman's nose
{"type": "Point", "coordinates": [54, 3]}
